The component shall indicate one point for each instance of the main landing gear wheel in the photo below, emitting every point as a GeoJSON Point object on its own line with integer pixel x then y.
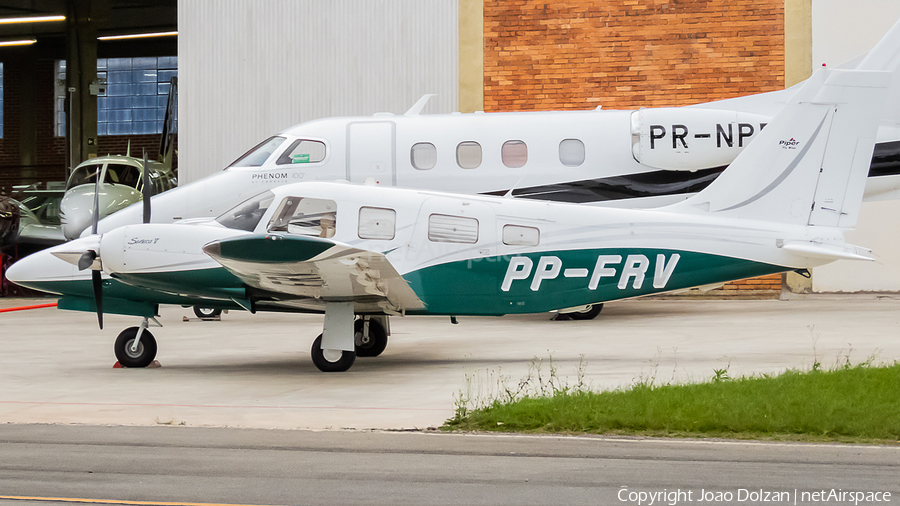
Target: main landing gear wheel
{"type": "Point", "coordinates": [326, 362]}
{"type": "Point", "coordinates": [206, 313]}
{"type": "Point", "coordinates": [373, 344]}
{"type": "Point", "coordinates": [145, 353]}
{"type": "Point", "coordinates": [588, 314]}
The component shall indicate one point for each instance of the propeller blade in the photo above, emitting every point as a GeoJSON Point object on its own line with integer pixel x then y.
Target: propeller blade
{"type": "Point", "coordinates": [86, 260]}
{"type": "Point", "coordinates": [147, 193]}
{"type": "Point", "coordinates": [97, 284]}
{"type": "Point", "coordinates": [96, 216]}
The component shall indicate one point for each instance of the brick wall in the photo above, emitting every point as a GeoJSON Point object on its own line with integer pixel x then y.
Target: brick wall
{"type": "Point", "coordinates": [626, 54]}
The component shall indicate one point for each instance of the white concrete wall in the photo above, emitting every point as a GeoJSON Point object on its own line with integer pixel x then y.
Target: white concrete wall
{"type": "Point", "coordinates": [843, 29]}
{"type": "Point", "coordinates": [248, 69]}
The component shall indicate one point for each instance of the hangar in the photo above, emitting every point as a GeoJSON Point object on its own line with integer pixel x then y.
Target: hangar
{"type": "Point", "coordinates": [251, 69]}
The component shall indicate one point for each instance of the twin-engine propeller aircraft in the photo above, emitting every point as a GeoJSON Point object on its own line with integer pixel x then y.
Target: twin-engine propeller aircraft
{"type": "Point", "coordinates": [371, 252]}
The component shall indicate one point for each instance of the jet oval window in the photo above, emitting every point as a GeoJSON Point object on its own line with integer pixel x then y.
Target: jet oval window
{"type": "Point", "coordinates": [305, 216]}
{"type": "Point", "coordinates": [377, 223]}
{"type": "Point", "coordinates": [571, 152]}
{"type": "Point", "coordinates": [446, 228]}
{"type": "Point", "coordinates": [246, 215]}
{"type": "Point", "coordinates": [517, 235]}
{"type": "Point", "coordinates": [423, 156]}
{"type": "Point", "coordinates": [514, 154]}
{"type": "Point", "coordinates": [468, 155]}
{"type": "Point", "coordinates": [302, 151]}
{"type": "Point", "coordinates": [257, 156]}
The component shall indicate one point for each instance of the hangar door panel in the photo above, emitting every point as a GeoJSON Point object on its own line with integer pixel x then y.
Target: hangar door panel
{"type": "Point", "coordinates": [371, 153]}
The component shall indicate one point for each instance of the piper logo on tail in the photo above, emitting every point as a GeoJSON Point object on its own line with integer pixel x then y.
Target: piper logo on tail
{"type": "Point", "coordinates": [632, 272]}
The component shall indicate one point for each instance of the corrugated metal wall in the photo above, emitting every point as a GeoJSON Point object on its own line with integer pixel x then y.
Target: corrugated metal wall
{"type": "Point", "coordinates": [249, 68]}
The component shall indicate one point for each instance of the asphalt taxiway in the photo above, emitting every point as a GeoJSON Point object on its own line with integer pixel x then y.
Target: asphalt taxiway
{"type": "Point", "coordinates": [254, 370]}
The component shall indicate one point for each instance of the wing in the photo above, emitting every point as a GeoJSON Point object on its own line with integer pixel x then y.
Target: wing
{"type": "Point", "coordinates": [312, 267]}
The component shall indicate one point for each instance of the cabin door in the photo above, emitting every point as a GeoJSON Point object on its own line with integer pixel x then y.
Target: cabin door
{"type": "Point", "coordinates": [371, 152]}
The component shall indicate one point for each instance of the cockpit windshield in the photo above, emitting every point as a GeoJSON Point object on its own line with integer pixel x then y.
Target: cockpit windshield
{"type": "Point", "coordinates": [83, 175]}
{"type": "Point", "coordinates": [257, 156]}
{"type": "Point", "coordinates": [247, 214]}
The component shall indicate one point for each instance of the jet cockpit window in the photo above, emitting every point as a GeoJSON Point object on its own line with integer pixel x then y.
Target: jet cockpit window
{"type": "Point", "coordinates": [127, 175]}
{"type": "Point", "coordinates": [85, 174]}
{"type": "Point", "coordinates": [303, 151]}
{"type": "Point", "coordinates": [247, 214]}
{"type": "Point", "coordinates": [305, 216]}
{"type": "Point", "coordinates": [257, 156]}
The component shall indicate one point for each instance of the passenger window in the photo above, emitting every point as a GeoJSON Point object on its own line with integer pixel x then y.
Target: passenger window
{"type": "Point", "coordinates": [303, 151]}
{"type": "Point", "coordinates": [305, 216]}
{"type": "Point", "coordinates": [571, 152]}
{"type": "Point", "coordinates": [514, 154]}
{"type": "Point", "coordinates": [468, 155]}
{"type": "Point", "coordinates": [445, 228]}
{"type": "Point", "coordinates": [515, 235]}
{"type": "Point", "coordinates": [377, 223]}
{"type": "Point", "coordinates": [423, 155]}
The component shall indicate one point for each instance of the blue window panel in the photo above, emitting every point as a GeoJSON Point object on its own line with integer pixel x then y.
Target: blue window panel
{"type": "Point", "coordinates": [146, 127]}
{"type": "Point", "coordinates": [168, 62]}
{"type": "Point", "coordinates": [101, 64]}
{"type": "Point", "coordinates": [119, 90]}
{"type": "Point", "coordinates": [144, 102]}
{"type": "Point", "coordinates": [101, 128]}
{"type": "Point", "coordinates": [118, 63]}
{"type": "Point", "coordinates": [118, 77]}
{"type": "Point", "coordinates": [145, 89]}
{"type": "Point", "coordinates": [163, 88]}
{"type": "Point", "coordinates": [143, 114]}
{"type": "Point", "coordinates": [166, 76]}
{"type": "Point", "coordinates": [102, 115]}
{"type": "Point", "coordinates": [101, 103]}
{"type": "Point", "coordinates": [161, 101]}
{"type": "Point", "coordinates": [144, 63]}
{"type": "Point", "coordinates": [143, 76]}
{"type": "Point", "coordinates": [120, 115]}
{"type": "Point", "coordinates": [119, 102]}
{"type": "Point", "coordinates": [119, 128]}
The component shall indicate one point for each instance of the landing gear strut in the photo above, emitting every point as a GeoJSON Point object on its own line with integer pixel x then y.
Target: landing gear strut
{"type": "Point", "coordinates": [346, 337]}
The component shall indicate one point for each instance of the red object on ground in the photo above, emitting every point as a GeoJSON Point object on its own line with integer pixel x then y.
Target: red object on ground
{"type": "Point", "coordinates": [117, 365]}
{"type": "Point", "coordinates": [23, 308]}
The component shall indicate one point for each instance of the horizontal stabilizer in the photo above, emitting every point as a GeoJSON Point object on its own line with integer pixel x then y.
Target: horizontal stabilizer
{"type": "Point", "coordinates": [829, 251]}
{"type": "Point", "coordinates": [312, 267]}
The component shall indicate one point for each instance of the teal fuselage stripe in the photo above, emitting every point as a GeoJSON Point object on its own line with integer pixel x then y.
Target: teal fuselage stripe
{"type": "Point", "coordinates": [474, 286]}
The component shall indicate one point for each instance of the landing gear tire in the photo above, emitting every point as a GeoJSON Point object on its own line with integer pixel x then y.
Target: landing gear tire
{"type": "Point", "coordinates": [145, 353]}
{"type": "Point", "coordinates": [374, 344]}
{"type": "Point", "coordinates": [331, 364]}
{"type": "Point", "coordinates": [587, 314]}
{"type": "Point", "coordinates": [206, 313]}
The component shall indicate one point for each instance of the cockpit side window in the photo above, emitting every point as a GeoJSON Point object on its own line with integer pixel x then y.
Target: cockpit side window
{"type": "Point", "coordinates": [128, 175]}
{"type": "Point", "coordinates": [84, 175]}
{"type": "Point", "coordinates": [247, 214]}
{"type": "Point", "coordinates": [257, 156]}
{"type": "Point", "coordinates": [302, 151]}
{"type": "Point", "coordinates": [305, 216]}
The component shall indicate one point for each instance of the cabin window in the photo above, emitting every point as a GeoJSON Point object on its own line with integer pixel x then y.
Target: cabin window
{"type": "Point", "coordinates": [377, 223]}
{"type": "Point", "coordinates": [302, 151]}
{"type": "Point", "coordinates": [571, 152]}
{"type": "Point", "coordinates": [516, 235]}
{"type": "Point", "coordinates": [246, 215]}
{"type": "Point", "coordinates": [514, 154]}
{"type": "Point", "coordinates": [445, 228]}
{"type": "Point", "coordinates": [259, 154]}
{"type": "Point", "coordinates": [468, 154]}
{"type": "Point", "coordinates": [305, 216]}
{"type": "Point", "coordinates": [423, 156]}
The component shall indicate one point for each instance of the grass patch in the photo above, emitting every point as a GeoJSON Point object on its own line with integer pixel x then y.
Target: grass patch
{"type": "Point", "coordinates": [859, 403]}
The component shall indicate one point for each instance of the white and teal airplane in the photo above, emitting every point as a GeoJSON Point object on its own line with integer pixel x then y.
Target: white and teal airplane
{"type": "Point", "coordinates": [361, 253]}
